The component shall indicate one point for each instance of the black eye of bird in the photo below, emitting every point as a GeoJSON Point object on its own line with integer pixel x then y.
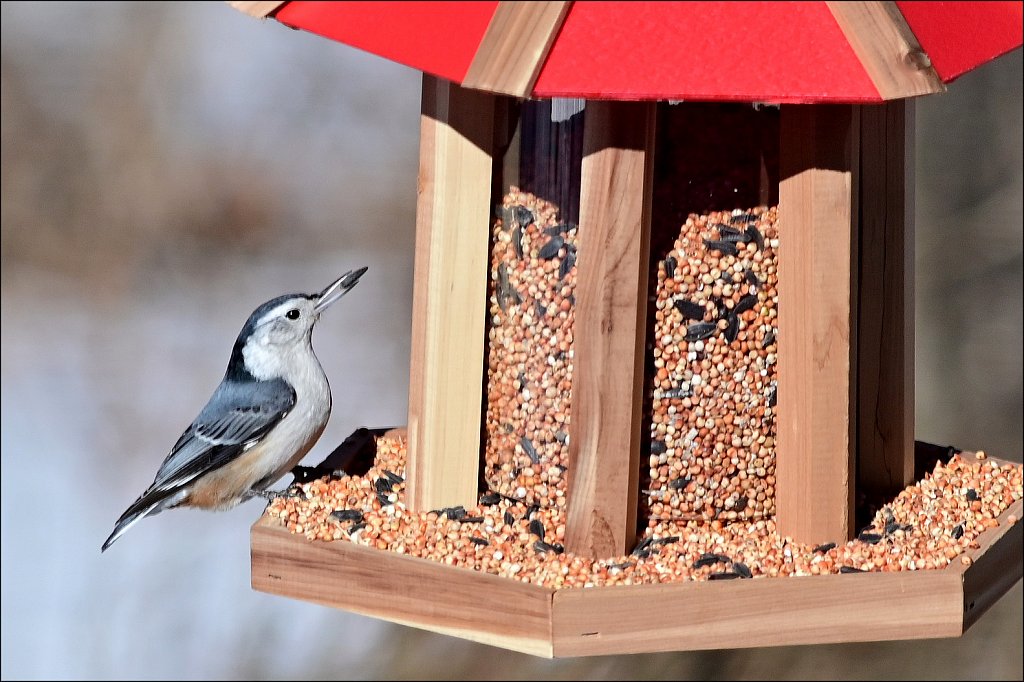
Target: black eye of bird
{"type": "Point", "coordinates": [292, 314]}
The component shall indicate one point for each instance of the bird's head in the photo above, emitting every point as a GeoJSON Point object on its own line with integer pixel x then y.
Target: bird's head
{"type": "Point", "coordinates": [281, 328]}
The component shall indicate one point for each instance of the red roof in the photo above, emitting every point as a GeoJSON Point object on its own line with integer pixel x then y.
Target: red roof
{"type": "Point", "coordinates": [750, 51]}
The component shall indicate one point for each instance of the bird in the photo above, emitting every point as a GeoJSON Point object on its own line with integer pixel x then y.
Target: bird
{"type": "Point", "coordinates": [265, 415]}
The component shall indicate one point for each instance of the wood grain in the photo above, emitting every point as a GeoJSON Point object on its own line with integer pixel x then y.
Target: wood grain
{"type": "Point", "coordinates": [255, 8]}
{"type": "Point", "coordinates": [816, 439]}
{"type": "Point", "coordinates": [885, 309]}
{"type": "Point", "coordinates": [887, 48]}
{"type": "Point", "coordinates": [609, 327]}
{"type": "Point", "coordinates": [455, 601]}
{"type": "Point", "coordinates": [449, 295]}
{"type": "Point", "coordinates": [514, 47]}
{"type": "Point", "coordinates": [735, 614]}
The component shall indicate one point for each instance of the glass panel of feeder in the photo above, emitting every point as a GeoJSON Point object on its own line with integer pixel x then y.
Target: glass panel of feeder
{"type": "Point", "coordinates": [531, 283]}
{"type": "Point", "coordinates": [711, 329]}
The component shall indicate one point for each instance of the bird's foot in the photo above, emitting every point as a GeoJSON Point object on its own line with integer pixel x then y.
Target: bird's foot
{"type": "Point", "coordinates": [271, 495]}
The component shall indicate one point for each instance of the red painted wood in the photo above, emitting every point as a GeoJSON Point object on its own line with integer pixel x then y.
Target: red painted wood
{"type": "Point", "coordinates": [440, 38]}
{"type": "Point", "coordinates": [785, 52]}
{"type": "Point", "coordinates": [959, 36]}
{"type": "Point", "coordinates": [746, 51]}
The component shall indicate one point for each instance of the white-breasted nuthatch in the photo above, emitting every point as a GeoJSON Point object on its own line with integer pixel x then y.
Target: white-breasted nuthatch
{"type": "Point", "coordinates": [265, 415]}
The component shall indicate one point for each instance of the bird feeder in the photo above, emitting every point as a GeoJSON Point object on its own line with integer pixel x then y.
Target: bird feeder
{"type": "Point", "coordinates": [664, 273]}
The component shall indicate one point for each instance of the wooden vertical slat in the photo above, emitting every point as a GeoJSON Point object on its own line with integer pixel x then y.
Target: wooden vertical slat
{"type": "Point", "coordinates": [887, 48]}
{"type": "Point", "coordinates": [816, 441]}
{"type": "Point", "coordinates": [609, 327]}
{"type": "Point", "coordinates": [449, 295]}
{"type": "Point", "coordinates": [885, 323]}
{"type": "Point", "coordinates": [514, 47]}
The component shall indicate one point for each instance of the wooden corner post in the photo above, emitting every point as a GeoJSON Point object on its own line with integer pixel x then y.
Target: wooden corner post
{"type": "Point", "coordinates": [609, 328]}
{"type": "Point", "coordinates": [816, 418]}
{"type": "Point", "coordinates": [449, 295]}
{"type": "Point", "coordinates": [885, 327]}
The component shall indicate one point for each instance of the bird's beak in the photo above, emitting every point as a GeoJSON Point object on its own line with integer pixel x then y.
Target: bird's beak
{"type": "Point", "coordinates": [337, 289]}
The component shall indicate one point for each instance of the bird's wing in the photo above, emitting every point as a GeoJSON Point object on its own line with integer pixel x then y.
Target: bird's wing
{"type": "Point", "coordinates": [237, 416]}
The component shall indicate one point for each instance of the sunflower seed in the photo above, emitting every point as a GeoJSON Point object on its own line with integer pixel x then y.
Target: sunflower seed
{"type": "Point", "coordinates": [689, 309]}
{"type": "Point", "coordinates": [347, 515]}
{"type": "Point", "coordinates": [700, 330]}
{"type": "Point", "coordinates": [551, 249]}
{"type": "Point", "coordinates": [530, 451]}
{"type": "Point", "coordinates": [958, 531]}
{"type": "Point", "coordinates": [726, 248]}
{"type": "Point", "coordinates": [746, 303]}
{"type": "Point", "coordinates": [742, 569]}
{"type": "Point", "coordinates": [724, 575]}
{"type": "Point", "coordinates": [488, 499]}
{"type": "Point", "coordinates": [709, 559]}
{"type": "Point", "coordinates": [480, 541]}
{"type": "Point", "coordinates": [670, 267]}
{"type": "Point", "coordinates": [821, 549]}
{"type": "Point", "coordinates": [756, 237]}
{"type": "Point", "coordinates": [537, 528]}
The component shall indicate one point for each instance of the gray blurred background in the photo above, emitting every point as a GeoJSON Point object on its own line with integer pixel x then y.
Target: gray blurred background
{"type": "Point", "coordinates": [168, 166]}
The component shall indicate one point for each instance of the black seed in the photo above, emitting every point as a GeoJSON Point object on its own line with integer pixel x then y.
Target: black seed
{"type": "Point", "coordinates": [644, 546]}
{"type": "Point", "coordinates": [752, 279]}
{"type": "Point", "coordinates": [551, 249]}
{"type": "Point", "coordinates": [732, 329]}
{"type": "Point", "coordinates": [642, 554]}
{"type": "Point", "coordinates": [540, 308]}
{"type": "Point", "coordinates": [958, 531]}
{"type": "Point", "coordinates": [509, 519]}
{"type": "Point", "coordinates": [540, 546]}
{"type": "Point", "coordinates": [561, 228]}
{"type": "Point", "coordinates": [561, 436]}
{"type": "Point", "coordinates": [743, 218]}
{"type": "Point", "coordinates": [727, 248]}
{"type": "Point", "coordinates": [530, 451]}
{"type": "Point", "coordinates": [455, 513]}
{"type": "Point", "coordinates": [745, 304]}
{"type": "Point", "coordinates": [821, 549]}
{"type": "Point", "coordinates": [679, 483]}
{"type": "Point", "coordinates": [471, 519]}
{"type": "Point", "coordinates": [393, 477]}
{"type": "Point", "coordinates": [709, 559]}
{"type": "Point", "coordinates": [531, 510]}
{"type": "Point", "coordinates": [667, 540]}
{"type": "Point", "coordinates": [772, 395]}
{"type": "Point", "coordinates": [731, 234]}
{"type": "Point", "coordinates": [522, 380]}
{"type": "Point", "coordinates": [347, 515]}
{"type": "Point", "coordinates": [670, 267]}
{"type": "Point", "coordinates": [769, 339]}
{"type": "Point", "coordinates": [383, 485]}
{"type": "Point", "coordinates": [487, 499]}
{"type": "Point", "coordinates": [740, 504]}
{"type": "Point", "coordinates": [756, 237]}
{"type": "Point", "coordinates": [658, 447]}
{"type": "Point", "coordinates": [623, 566]}
{"type": "Point", "coordinates": [479, 541]}
{"type": "Point", "coordinates": [383, 499]}
{"type": "Point", "coordinates": [972, 495]}
{"type": "Point", "coordinates": [562, 468]}
{"type": "Point", "coordinates": [689, 309]}
{"type": "Point", "coordinates": [700, 330]}
{"type": "Point", "coordinates": [870, 538]}
{"type": "Point", "coordinates": [742, 569]}
{"type": "Point", "coordinates": [850, 569]}
{"type": "Point", "coordinates": [724, 575]}
{"type": "Point", "coordinates": [566, 266]}
{"type": "Point", "coordinates": [356, 527]}
{"type": "Point", "coordinates": [523, 216]}
{"type": "Point", "coordinates": [891, 527]}
{"type": "Point", "coordinates": [537, 528]}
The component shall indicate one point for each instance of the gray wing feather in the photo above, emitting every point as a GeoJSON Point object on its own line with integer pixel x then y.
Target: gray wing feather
{"type": "Point", "coordinates": [238, 414]}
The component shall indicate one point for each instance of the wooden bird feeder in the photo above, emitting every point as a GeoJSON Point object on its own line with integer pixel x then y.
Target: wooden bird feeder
{"type": "Point", "coordinates": [616, 120]}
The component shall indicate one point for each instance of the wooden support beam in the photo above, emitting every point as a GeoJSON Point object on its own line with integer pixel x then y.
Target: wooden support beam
{"type": "Point", "coordinates": [256, 8]}
{"type": "Point", "coordinates": [885, 322]}
{"type": "Point", "coordinates": [449, 295]}
{"type": "Point", "coordinates": [887, 48]}
{"type": "Point", "coordinates": [816, 443]}
{"type": "Point", "coordinates": [514, 47]}
{"type": "Point", "coordinates": [609, 328]}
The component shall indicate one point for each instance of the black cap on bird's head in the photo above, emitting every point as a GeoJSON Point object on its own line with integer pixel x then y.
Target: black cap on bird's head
{"type": "Point", "coordinates": [277, 307]}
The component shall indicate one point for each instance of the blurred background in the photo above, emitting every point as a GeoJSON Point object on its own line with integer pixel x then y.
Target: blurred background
{"type": "Point", "coordinates": [168, 166]}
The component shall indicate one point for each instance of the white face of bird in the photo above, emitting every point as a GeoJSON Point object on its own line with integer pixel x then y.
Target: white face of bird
{"type": "Point", "coordinates": [280, 333]}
